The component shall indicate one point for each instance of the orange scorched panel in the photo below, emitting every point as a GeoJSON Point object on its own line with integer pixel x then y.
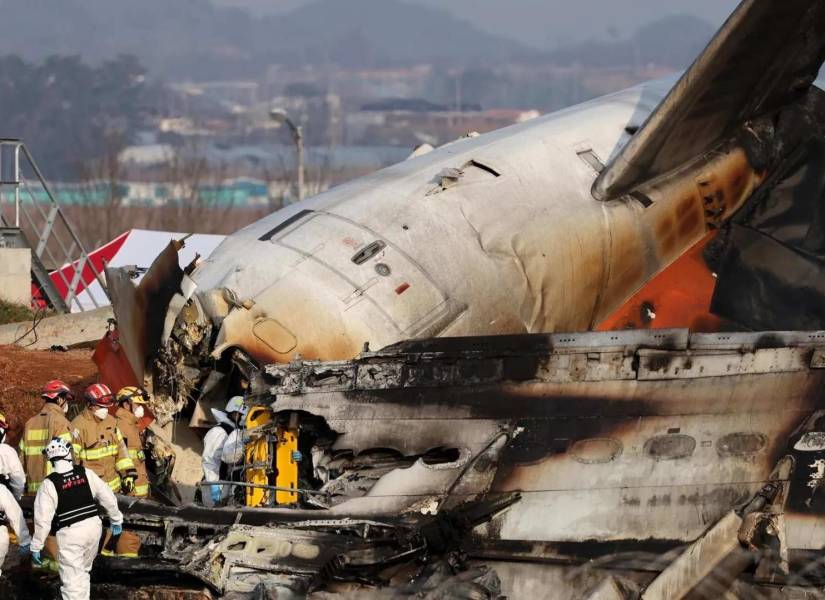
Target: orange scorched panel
{"type": "Point", "coordinates": [677, 297]}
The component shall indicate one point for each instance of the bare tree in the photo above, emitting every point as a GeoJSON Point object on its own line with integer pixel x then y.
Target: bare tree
{"type": "Point", "coordinates": [195, 191]}
{"type": "Point", "coordinates": [101, 186]}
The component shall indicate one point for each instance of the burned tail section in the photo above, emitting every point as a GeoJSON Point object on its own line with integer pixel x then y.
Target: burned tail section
{"type": "Point", "coordinates": [751, 91]}
{"type": "Point", "coordinates": [763, 60]}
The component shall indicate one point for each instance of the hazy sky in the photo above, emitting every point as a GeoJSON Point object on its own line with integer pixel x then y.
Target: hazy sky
{"type": "Point", "coordinates": [547, 23]}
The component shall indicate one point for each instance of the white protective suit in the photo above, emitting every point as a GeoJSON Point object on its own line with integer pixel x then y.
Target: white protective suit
{"type": "Point", "coordinates": [11, 467]}
{"type": "Point", "coordinates": [213, 444]}
{"type": "Point", "coordinates": [234, 447]}
{"type": "Point", "coordinates": [77, 544]}
{"type": "Point", "coordinates": [14, 515]}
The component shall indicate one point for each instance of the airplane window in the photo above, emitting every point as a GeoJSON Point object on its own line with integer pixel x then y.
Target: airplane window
{"type": "Point", "coordinates": [670, 447]}
{"type": "Point", "coordinates": [741, 444]}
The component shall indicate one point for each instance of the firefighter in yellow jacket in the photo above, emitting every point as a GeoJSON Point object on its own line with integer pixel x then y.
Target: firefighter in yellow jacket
{"type": "Point", "coordinates": [50, 422]}
{"type": "Point", "coordinates": [130, 401]}
{"type": "Point", "coordinates": [98, 443]}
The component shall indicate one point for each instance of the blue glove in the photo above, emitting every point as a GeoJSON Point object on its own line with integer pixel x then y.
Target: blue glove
{"type": "Point", "coordinates": [216, 494]}
{"type": "Point", "coordinates": [36, 560]}
{"type": "Point", "coordinates": [297, 456]}
{"type": "Point", "coordinates": [117, 530]}
{"type": "Point", "coordinates": [23, 550]}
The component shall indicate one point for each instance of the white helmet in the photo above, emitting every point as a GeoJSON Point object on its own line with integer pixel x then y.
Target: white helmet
{"type": "Point", "coordinates": [58, 448]}
{"type": "Point", "coordinates": [236, 404]}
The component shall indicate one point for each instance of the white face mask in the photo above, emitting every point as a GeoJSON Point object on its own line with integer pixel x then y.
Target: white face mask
{"type": "Point", "coordinates": [65, 407]}
{"type": "Point", "coordinates": [62, 465]}
{"type": "Point", "coordinates": [100, 413]}
{"type": "Point", "coordinates": [138, 411]}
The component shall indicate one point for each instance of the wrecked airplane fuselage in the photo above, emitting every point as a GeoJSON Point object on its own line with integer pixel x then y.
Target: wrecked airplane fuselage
{"type": "Point", "coordinates": [385, 259]}
{"type": "Point", "coordinates": [538, 449]}
{"type": "Point", "coordinates": [612, 446]}
{"type": "Point", "coordinates": [549, 225]}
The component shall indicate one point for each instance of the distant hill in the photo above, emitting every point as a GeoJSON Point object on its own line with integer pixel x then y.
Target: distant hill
{"type": "Point", "coordinates": [375, 31]}
{"type": "Point", "coordinates": [545, 24]}
{"type": "Point", "coordinates": [673, 41]}
{"type": "Point", "coordinates": [194, 38]}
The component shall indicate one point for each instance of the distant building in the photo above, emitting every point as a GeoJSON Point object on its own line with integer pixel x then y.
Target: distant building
{"type": "Point", "coordinates": [409, 123]}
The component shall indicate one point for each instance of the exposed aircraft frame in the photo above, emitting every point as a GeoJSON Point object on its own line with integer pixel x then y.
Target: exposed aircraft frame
{"type": "Point", "coordinates": [632, 405]}
{"type": "Point", "coordinates": [683, 465]}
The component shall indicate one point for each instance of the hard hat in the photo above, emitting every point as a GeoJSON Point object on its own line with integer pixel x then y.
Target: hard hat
{"type": "Point", "coordinates": [54, 389]}
{"type": "Point", "coordinates": [99, 394]}
{"type": "Point", "coordinates": [57, 448]}
{"type": "Point", "coordinates": [236, 404]}
{"type": "Point", "coordinates": [133, 394]}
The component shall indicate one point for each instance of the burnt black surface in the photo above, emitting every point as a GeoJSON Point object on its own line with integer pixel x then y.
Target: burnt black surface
{"type": "Point", "coordinates": [770, 259]}
{"type": "Point", "coordinates": [491, 345]}
{"type": "Point", "coordinates": [156, 290]}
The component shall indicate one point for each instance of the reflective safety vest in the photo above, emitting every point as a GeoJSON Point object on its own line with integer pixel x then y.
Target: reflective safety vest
{"type": "Point", "coordinates": [127, 423]}
{"type": "Point", "coordinates": [38, 431]}
{"type": "Point", "coordinates": [99, 446]}
{"type": "Point", "coordinates": [75, 501]}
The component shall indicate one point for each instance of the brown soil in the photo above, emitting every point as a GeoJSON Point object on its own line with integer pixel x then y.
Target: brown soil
{"type": "Point", "coordinates": [24, 372]}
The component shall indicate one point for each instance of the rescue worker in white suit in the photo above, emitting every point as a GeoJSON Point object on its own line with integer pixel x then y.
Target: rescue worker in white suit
{"type": "Point", "coordinates": [214, 469]}
{"type": "Point", "coordinates": [12, 474]}
{"type": "Point", "coordinates": [10, 513]}
{"type": "Point", "coordinates": [67, 502]}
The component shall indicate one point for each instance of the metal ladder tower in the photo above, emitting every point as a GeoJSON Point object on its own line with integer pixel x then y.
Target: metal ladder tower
{"type": "Point", "coordinates": [30, 217]}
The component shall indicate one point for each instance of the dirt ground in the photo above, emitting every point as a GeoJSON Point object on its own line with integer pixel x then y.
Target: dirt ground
{"type": "Point", "coordinates": [24, 372]}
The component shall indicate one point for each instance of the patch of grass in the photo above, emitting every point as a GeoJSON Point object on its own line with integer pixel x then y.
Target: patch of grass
{"type": "Point", "coordinates": [14, 313]}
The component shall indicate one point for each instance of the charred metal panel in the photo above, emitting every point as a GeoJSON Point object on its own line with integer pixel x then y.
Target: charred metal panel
{"type": "Point", "coordinates": [605, 439]}
{"type": "Point", "coordinates": [655, 364]}
{"type": "Point", "coordinates": [140, 311]}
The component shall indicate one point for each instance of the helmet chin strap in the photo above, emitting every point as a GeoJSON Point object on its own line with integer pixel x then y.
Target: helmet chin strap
{"type": "Point", "coordinates": [63, 465]}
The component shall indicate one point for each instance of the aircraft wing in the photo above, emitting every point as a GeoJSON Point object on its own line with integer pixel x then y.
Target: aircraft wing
{"type": "Point", "coordinates": [765, 56]}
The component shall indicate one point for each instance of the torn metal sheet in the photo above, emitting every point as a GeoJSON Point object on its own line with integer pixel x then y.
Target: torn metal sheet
{"type": "Point", "coordinates": [140, 310]}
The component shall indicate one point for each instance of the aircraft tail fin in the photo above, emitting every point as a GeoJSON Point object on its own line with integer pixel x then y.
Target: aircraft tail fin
{"type": "Point", "coordinates": [765, 56]}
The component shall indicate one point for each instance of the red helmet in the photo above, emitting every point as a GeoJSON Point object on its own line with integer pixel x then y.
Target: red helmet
{"type": "Point", "coordinates": [54, 389]}
{"type": "Point", "coordinates": [98, 394]}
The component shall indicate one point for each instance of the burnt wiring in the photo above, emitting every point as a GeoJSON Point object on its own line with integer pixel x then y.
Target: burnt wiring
{"type": "Point", "coordinates": [38, 316]}
{"type": "Point", "coordinates": [472, 493]}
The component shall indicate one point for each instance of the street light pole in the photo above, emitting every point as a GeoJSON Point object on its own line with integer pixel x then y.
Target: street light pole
{"type": "Point", "coordinates": [298, 136]}
{"type": "Point", "coordinates": [280, 117]}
